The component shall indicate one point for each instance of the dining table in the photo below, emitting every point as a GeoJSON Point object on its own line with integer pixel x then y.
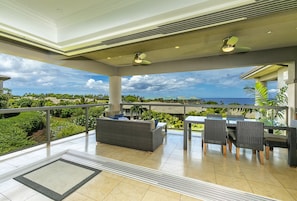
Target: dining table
{"type": "Point", "coordinates": [291, 133]}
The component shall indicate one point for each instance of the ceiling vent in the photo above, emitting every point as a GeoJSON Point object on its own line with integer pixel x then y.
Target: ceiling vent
{"type": "Point", "coordinates": [257, 9]}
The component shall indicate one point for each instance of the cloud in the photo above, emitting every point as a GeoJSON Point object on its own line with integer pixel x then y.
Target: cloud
{"type": "Point", "coordinates": [28, 76]}
{"type": "Point", "coordinates": [100, 85]}
{"type": "Point", "coordinates": [273, 91]}
{"type": "Point", "coordinates": [153, 83]}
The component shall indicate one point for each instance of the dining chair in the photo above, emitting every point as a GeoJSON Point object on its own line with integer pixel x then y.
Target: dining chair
{"type": "Point", "coordinates": [250, 135]}
{"type": "Point", "coordinates": [231, 131]}
{"type": "Point", "coordinates": [214, 116]}
{"type": "Point", "coordinates": [271, 140]}
{"type": "Point", "coordinates": [214, 133]}
{"type": "Point", "coordinates": [233, 117]}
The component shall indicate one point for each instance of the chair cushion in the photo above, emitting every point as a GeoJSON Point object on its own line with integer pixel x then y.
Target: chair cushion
{"type": "Point", "coordinates": [276, 140]}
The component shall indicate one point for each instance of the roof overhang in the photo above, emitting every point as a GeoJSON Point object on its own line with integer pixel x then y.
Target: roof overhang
{"type": "Point", "coordinates": [264, 73]}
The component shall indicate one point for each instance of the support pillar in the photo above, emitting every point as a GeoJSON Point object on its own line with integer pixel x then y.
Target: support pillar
{"type": "Point", "coordinates": [115, 94]}
{"type": "Point", "coordinates": [292, 93]}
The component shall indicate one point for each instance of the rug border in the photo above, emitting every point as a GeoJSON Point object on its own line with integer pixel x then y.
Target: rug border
{"type": "Point", "coordinates": [50, 193]}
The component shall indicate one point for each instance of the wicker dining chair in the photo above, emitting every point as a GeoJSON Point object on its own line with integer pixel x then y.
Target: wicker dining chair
{"type": "Point", "coordinates": [214, 133]}
{"type": "Point", "coordinates": [232, 117]}
{"type": "Point", "coordinates": [232, 130]}
{"type": "Point", "coordinates": [214, 116]}
{"type": "Point", "coordinates": [249, 135]}
{"type": "Point", "coordinates": [271, 140]}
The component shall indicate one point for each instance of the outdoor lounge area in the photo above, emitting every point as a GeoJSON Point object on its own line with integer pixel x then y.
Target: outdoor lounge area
{"type": "Point", "coordinates": [120, 40]}
{"type": "Point", "coordinates": [273, 180]}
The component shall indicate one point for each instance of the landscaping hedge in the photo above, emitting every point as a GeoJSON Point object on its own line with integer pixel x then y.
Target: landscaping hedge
{"type": "Point", "coordinates": [15, 131]}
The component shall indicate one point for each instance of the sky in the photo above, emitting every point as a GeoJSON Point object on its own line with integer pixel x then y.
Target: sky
{"type": "Point", "coordinates": [28, 76]}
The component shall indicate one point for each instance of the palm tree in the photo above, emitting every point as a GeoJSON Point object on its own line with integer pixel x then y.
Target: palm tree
{"type": "Point", "coordinates": [262, 99]}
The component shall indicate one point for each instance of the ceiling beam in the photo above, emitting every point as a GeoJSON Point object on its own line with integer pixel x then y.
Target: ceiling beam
{"type": "Point", "coordinates": [36, 54]}
{"type": "Point", "coordinates": [263, 57]}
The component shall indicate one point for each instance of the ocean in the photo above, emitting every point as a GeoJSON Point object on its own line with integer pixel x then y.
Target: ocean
{"type": "Point", "coordinates": [227, 101]}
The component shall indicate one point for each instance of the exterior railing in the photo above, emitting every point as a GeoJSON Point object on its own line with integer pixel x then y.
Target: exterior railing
{"type": "Point", "coordinates": [184, 109]}
{"type": "Point", "coordinates": [48, 109]}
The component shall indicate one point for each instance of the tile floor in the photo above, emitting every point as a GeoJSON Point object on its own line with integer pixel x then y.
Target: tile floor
{"type": "Point", "coordinates": [274, 179]}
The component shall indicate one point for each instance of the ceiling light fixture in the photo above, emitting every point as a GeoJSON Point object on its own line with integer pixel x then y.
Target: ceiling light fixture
{"type": "Point", "coordinates": [137, 60]}
{"type": "Point", "coordinates": [228, 48]}
{"type": "Point", "coordinates": [138, 57]}
{"type": "Point", "coordinates": [229, 43]}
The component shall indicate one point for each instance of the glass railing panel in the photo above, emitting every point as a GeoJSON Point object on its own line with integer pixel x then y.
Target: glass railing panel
{"type": "Point", "coordinates": [21, 128]}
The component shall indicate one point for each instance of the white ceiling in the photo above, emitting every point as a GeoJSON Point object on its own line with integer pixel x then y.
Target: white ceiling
{"type": "Point", "coordinates": [103, 36]}
{"type": "Point", "coordinates": [69, 24]}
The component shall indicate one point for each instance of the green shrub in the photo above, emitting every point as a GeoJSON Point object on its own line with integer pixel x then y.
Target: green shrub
{"type": "Point", "coordinates": [96, 111]}
{"type": "Point", "coordinates": [13, 139]}
{"type": "Point", "coordinates": [70, 129]}
{"type": "Point", "coordinates": [29, 122]}
{"type": "Point", "coordinates": [172, 121]}
{"type": "Point", "coordinates": [64, 127]}
{"type": "Point", "coordinates": [81, 121]}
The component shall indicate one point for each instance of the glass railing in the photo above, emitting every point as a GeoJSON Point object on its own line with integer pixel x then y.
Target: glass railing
{"type": "Point", "coordinates": [21, 128]}
{"type": "Point", "coordinates": [178, 112]}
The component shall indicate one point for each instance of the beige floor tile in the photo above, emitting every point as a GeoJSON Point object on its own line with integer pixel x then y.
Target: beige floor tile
{"type": "Point", "coordinates": [274, 178]}
{"type": "Point", "coordinates": [78, 197]}
{"type": "Point", "coordinates": [293, 192]}
{"type": "Point", "coordinates": [207, 175]}
{"type": "Point", "coordinates": [287, 180]}
{"type": "Point", "coordinates": [231, 170]}
{"type": "Point", "coordinates": [174, 169]}
{"type": "Point", "coordinates": [187, 198]}
{"type": "Point", "coordinates": [149, 163]}
{"type": "Point", "coordinates": [167, 193]}
{"type": "Point", "coordinates": [126, 191]}
{"type": "Point", "coordinates": [156, 196]}
{"type": "Point", "coordinates": [272, 191]}
{"type": "Point", "coordinates": [233, 182]}
{"type": "Point", "coordinates": [133, 182]}
{"type": "Point", "coordinates": [99, 187]}
{"type": "Point", "coordinates": [261, 175]}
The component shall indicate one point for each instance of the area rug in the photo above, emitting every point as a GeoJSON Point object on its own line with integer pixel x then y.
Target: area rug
{"type": "Point", "coordinates": [58, 179]}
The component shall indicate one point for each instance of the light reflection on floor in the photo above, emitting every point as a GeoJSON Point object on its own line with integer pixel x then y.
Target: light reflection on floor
{"type": "Point", "coordinates": [273, 179]}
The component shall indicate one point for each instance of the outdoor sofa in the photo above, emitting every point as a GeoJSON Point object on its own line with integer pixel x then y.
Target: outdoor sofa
{"type": "Point", "coordinates": [136, 134]}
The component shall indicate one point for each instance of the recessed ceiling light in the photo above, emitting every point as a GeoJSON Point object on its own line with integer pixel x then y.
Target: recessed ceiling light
{"type": "Point", "coordinates": [176, 47]}
{"type": "Point", "coordinates": [269, 32]}
{"type": "Point", "coordinates": [108, 57]}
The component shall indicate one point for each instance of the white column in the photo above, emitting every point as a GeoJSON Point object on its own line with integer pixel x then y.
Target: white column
{"type": "Point", "coordinates": [115, 93]}
{"type": "Point", "coordinates": [292, 94]}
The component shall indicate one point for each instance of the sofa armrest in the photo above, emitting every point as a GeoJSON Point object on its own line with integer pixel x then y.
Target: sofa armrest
{"type": "Point", "coordinates": [157, 138]}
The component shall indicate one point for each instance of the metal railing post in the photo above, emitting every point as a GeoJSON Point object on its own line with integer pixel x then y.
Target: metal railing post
{"type": "Point", "coordinates": [87, 120]}
{"type": "Point", "coordinates": [184, 111]}
{"type": "Point", "coordinates": [48, 128]}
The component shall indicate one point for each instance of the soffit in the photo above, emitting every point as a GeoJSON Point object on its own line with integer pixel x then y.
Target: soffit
{"type": "Point", "coordinates": [271, 25]}
{"type": "Point", "coordinates": [262, 71]}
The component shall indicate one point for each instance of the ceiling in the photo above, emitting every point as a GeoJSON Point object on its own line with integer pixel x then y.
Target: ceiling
{"type": "Point", "coordinates": [103, 36]}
